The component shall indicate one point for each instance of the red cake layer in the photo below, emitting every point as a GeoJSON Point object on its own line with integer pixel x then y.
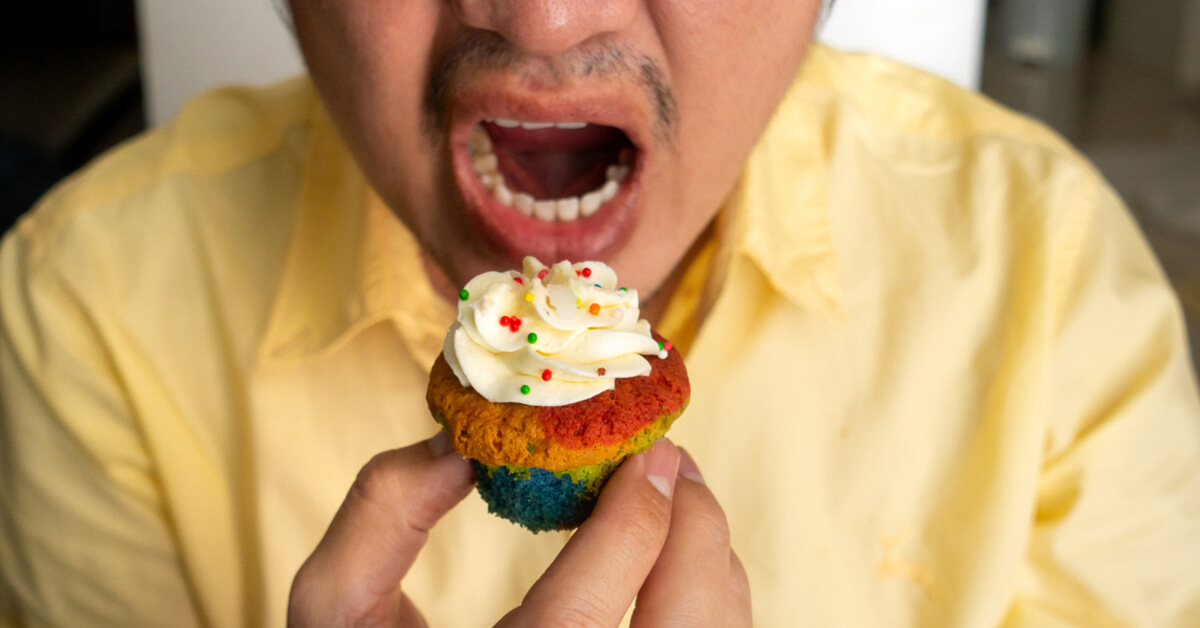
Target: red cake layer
{"type": "Point", "coordinates": [614, 416]}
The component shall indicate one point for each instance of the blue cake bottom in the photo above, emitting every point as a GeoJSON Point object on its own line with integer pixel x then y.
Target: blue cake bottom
{"type": "Point", "coordinates": [538, 499]}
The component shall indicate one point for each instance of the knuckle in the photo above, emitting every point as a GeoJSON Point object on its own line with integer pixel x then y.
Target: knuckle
{"type": "Point", "coordinates": [739, 582]}
{"type": "Point", "coordinates": [302, 585]}
{"type": "Point", "coordinates": [314, 600]}
{"type": "Point", "coordinates": [377, 614]}
{"type": "Point", "coordinates": [644, 517]}
{"type": "Point", "coordinates": [374, 480]}
{"type": "Point", "coordinates": [710, 529]}
{"type": "Point", "coordinates": [580, 611]}
{"type": "Point", "coordinates": [309, 597]}
{"type": "Point", "coordinates": [692, 617]}
{"type": "Point", "coordinates": [640, 533]}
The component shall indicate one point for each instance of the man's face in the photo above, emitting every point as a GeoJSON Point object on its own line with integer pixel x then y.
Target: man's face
{"type": "Point", "coordinates": [566, 129]}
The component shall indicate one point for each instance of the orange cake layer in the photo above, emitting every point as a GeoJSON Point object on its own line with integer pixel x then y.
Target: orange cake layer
{"type": "Point", "coordinates": [609, 426]}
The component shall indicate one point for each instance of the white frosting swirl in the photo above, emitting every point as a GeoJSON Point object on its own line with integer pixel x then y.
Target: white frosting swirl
{"type": "Point", "coordinates": [570, 320]}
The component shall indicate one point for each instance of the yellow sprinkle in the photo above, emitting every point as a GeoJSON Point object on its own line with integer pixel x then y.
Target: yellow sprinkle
{"type": "Point", "coordinates": [529, 297]}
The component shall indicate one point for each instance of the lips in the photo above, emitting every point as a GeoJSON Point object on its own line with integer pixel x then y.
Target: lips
{"type": "Point", "coordinates": [550, 177]}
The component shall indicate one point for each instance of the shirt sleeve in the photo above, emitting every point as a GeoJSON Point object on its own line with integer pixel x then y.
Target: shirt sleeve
{"type": "Point", "coordinates": [1116, 528]}
{"type": "Point", "coordinates": [85, 536]}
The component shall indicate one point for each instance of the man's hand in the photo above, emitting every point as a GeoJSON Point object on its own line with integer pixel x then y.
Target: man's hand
{"type": "Point", "coordinates": [353, 577]}
{"type": "Point", "coordinates": [657, 534]}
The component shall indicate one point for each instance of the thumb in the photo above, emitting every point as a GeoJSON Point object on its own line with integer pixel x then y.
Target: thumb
{"type": "Point", "coordinates": [383, 523]}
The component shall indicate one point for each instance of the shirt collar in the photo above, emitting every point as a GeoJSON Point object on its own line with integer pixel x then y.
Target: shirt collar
{"type": "Point", "coordinates": [779, 217]}
{"type": "Point", "coordinates": [352, 264]}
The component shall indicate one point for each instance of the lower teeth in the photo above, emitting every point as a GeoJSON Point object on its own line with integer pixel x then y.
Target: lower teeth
{"type": "Point", "coordinates": [479, 148]}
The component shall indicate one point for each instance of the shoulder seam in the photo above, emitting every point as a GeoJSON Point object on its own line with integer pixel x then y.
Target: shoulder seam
{"type": "Point", "coordinates": [962, 114]}
{"type": "Point", "coordinates": [94, 187]}
{"type": "Point", "coordinates": [1070, 247]}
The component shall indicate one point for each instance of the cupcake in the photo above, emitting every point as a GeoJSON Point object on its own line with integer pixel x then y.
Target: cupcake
{"type": "Point", "coordinates": [547, 380]}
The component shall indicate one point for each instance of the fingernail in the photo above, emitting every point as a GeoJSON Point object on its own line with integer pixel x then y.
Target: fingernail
{"type": "Point", "coordinates": [662, 464]}
{"type": "Point", "coordinates": [440, 445]}
{"type": "Point", "coordinates": [688, 467]}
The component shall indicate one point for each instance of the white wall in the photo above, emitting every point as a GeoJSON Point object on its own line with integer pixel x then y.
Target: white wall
{"type": "Point", "coordinates": [944, 37]}
{"type": "Point", "coordinates": [191, 45]}
{"type": "Point", "coordinates": [188, 46]}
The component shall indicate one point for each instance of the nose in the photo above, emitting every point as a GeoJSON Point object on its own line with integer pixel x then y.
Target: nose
{"type": "Point", "coordinates": [548, 27]}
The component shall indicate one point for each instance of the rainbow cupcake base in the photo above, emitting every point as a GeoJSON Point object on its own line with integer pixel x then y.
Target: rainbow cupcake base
{"type": "Point", "coordinates": [538, 499]}
{"type": "Point", "coordinates": [514, 446]}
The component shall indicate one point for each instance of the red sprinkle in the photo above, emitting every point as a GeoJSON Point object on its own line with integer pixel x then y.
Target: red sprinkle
{"type": "Point", "coordinates": [546, 374]}
{"type": "Point", "coordinates": [519, 280]}
{"type": "Point", "coordinates": [504, 320]}
{"type": "Point", "coordinates": [578, 273]}
{"type": "Point", "coordinates": [594, 309]}
{"type": "Point", "coordinates": [667, 345]}
{"type": "Point", "coordinates": [542, 273]}
{"type": "Point", "coordinates": [600, 371]}
{"type": "Point", "coordinates": [514, 323]}
{"type": "Point", "coordinates": [587, 272]}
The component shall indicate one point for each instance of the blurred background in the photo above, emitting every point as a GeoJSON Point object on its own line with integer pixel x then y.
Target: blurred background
{"type": "Point", "coordinates": [1118, 78]}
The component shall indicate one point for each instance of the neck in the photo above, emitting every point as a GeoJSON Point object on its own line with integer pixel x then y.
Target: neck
{"type": "Point", "coordinates": [438, 280]}
{"type": "Point", "coordinates": [655, 307]}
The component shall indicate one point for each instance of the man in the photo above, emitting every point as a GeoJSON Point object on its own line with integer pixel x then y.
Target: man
{"type": "Point", "coordinates": [938, 378]}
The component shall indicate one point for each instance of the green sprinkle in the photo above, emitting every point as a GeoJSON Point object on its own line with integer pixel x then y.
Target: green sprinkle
{"type": "Point", "coordinates": [624, 289]}
{"type": "Point", "coordinates": [660, 346]}
{"type": "Point", "coordinates": [532, 337]}
{"type": "Point", "coordinates": [463, 295]}
{"type": "Point", "coordinates": [524, 389]}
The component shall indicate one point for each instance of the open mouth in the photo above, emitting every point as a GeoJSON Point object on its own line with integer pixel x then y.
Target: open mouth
{"type": "Point", "coordinates": [554, 176]}
{"type": "Point", "coordinates": [551, 171]}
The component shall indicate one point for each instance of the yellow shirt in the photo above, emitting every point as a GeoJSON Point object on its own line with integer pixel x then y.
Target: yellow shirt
{"type": "Point", "coordinates": [941, 381]}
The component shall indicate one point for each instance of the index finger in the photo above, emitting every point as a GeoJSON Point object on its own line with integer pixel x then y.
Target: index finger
{"type": "Point", "coordinates": [384, 521]}
{"type": "Point", "coordinates": [599, 572]}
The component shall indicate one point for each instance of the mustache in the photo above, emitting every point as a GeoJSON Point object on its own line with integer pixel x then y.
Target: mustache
{"type": "Point", "coordinates": [480, 52]}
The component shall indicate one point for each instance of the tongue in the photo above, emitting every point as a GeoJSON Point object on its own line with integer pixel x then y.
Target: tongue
{"type": "Point", "coordinates": [556, 163]}
{"type": "Point", "coordinates": [553, 174]}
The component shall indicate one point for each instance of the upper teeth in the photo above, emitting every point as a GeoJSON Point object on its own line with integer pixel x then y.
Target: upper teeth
{"type": "Point", "coordinates": [510, 124]}
{"type": "Point", "coordinates": [486, 165]}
